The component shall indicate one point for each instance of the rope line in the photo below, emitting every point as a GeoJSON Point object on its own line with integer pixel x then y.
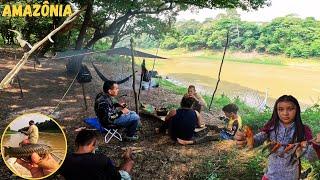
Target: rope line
{"type": "Point", "coordinates": [65, 93]}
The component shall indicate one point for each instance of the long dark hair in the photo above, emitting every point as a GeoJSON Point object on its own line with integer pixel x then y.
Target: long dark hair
{"type": "Point", "coordinates": [299, 134]}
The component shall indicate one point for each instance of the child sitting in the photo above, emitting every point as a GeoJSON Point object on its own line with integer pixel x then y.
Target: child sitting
{"type": "Point", "coordinates": [233, 122]}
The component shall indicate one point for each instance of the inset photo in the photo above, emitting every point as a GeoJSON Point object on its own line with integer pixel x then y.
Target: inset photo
{"type": "Point", "coordinates": [33, 146]}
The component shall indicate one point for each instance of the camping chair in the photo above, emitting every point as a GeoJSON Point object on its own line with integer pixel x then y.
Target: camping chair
{"type": "Point", "coordinates": [111, 130]}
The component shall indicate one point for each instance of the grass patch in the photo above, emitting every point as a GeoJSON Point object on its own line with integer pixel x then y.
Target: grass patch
{"type": "Point", "coordinates": [172, 87]}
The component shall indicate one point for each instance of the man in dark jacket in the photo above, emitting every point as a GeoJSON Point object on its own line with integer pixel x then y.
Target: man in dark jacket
{"type": "Point", "coordinates": [109, 112]}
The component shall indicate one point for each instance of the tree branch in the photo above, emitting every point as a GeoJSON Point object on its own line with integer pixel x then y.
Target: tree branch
{"type": "Point", "coordinates": [6, 80]}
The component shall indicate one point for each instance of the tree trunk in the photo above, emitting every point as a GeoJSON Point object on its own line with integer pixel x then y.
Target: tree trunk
{"type": "Point", "coordinates": [83, 30]}
{"type": "Point", "coordinates": [112, 29]}
{"type": "Point", "coordinates": [134, 78]}
{"type": "Point", "coordinates": [115, 40]}
{"type": "Point", "coordinates": [93, 41]}
{"type": "Point", "coordinates": [74, 63]}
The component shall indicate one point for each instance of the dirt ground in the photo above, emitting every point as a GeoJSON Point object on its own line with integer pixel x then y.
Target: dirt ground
{"type": "Point", "coordinates": [43, 87]}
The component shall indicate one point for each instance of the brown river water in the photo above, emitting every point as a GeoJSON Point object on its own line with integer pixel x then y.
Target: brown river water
{"type": "Point", "coordinates": [55, 140]}
{"type": "Point", "coordinates": [248, 81]}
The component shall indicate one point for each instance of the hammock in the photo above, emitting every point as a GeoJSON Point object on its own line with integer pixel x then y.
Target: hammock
{"type": "Point", "coordinates": [108, 80]}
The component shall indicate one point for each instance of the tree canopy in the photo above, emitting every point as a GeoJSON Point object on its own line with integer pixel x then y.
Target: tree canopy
{"type": "Point", "coordinates": [289, 35]}
{"type": "Point", "coordinates": [114, 19]}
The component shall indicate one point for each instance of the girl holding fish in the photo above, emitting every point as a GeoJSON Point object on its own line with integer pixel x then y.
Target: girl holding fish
{"type": "Point", "coordinates": [288, 138]}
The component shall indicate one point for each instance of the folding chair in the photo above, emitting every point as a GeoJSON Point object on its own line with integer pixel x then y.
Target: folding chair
{"type": "Point", "coordinates": [111, 130]}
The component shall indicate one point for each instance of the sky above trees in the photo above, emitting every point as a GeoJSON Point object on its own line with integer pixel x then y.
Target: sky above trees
{"type": "Point", "coordinates": [278, 8]}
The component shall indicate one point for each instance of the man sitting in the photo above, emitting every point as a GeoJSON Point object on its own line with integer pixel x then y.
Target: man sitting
{"type": "Point", "coordinates": [110, 113]}
{"type": "Point", "coordinates": [85, 164]}
{"type": "Point", "coordinates": [199, 103]}
{"type": "Point", "coordinates": [32, 133]}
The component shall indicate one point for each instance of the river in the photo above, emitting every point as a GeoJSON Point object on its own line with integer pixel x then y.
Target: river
{"type": "Point", "coordinates": [248, 81]}
{"type": "Point", "coordinates": [54, 140]}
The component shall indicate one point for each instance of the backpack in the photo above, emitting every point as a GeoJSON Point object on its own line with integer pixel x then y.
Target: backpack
{"type": "Point", "coordinates": [84, 75]}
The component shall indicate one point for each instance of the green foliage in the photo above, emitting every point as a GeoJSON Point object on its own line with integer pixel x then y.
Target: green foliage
{"type": "Point", "coordinates": [169, 43]}
{"type": "Point", "coordinates": [254, 167]}
{"type": "Point", "coordinates": [172, 87]}
{"type": "Point", "coordinates": [315, 174]}
{"type": "Point", "coordinates": [102, 44]}
{"type": "Point", "coordinates": [311, 117]}
{"type": "Point", "coordinates": [145, 41]}
{"type": "Point", "coordinates": [104, 58]}
{"type": "Point", "coordinates": [204, 171]}
{"type": "Point", "coordinates": [192, 42]}
{"type": "Point", "coordinates": [114, 19]}
{"type": "Point", "coordinates": [289, 35]}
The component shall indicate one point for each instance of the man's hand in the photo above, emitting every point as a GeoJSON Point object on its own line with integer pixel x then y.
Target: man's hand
{"type": "Point", "coordinates": [304, 144]}
{"type": "Point", "coordinates": [123, 105]}
{"type": "Point", "coordinates": [127, 155]}
{"type": "Point", "coordinates": [192, 96]}
{"type": "Point", "coordinates": [128, 162]}
{"type": "Point", "coordinates": [125, 110]}
{"type": "Point", "coordinates": [240, 138]}
{"type": "Point", "coordinates": [40, 167]}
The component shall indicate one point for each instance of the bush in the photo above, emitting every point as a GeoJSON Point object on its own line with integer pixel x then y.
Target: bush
{"type": "Point", "coordinates": [192, 42]}
{"type": "Point", "coordinates": [249, 44]}
{"type": "Point", "coordinates": [102, 44]}
{"type": "Point", "coordinates": [169, 43]}
{"type": "Point", "coordinates": [274, 49]}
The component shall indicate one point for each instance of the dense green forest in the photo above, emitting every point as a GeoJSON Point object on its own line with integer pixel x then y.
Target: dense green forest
{"type": "Point", "coordinates": [289, 35]}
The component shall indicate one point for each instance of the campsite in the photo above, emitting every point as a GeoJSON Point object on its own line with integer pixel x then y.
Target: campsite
{"type": "Point", "coordinates": [59, 68]}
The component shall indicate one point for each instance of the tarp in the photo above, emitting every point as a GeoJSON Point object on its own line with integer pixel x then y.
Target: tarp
{"type": "Point", "coordinates": [127, 52]}
{"type": "Point", "coordinates": [73, 53]}
{"type": "Point", "coordinates": [116, 51]}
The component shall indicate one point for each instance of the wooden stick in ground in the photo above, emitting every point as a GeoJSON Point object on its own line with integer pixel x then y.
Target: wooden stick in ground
{"type": "Point", "coordinates": [84, 96]}
{"type": "Point", "coordinates": [224, 53]}
{"type": "Point", "coordinates": [134, 77]}
{"type": "Point", "coordinates": [6, 80]}
{"type": "Point", "coordinates": [141, 78]}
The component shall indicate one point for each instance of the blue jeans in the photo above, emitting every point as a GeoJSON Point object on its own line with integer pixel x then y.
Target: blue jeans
{"type": "Point", "coordinates": [129, 121]}
{"type": "Point", "coordinates": [225, 136]}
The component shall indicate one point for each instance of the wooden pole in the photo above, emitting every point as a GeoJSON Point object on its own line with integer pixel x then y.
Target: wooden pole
{"type": "Point", "coordinates": [141, 77]}
{"type": "Point", "coordinates": [224, 53]}
{"type": "Point", "coordinates": [84, 96]}
{"type": "Point", "coordinates": [134, 77]}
